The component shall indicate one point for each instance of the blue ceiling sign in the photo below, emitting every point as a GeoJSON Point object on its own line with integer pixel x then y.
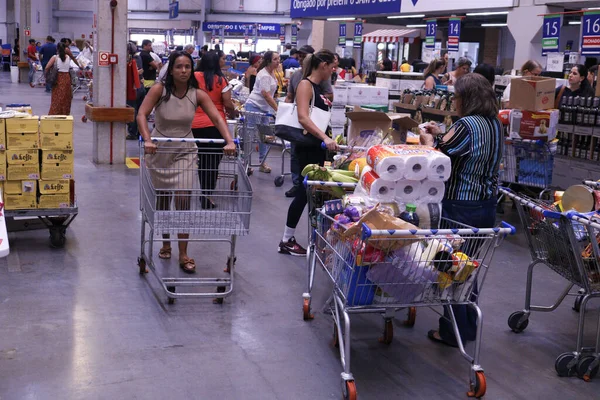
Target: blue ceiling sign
{"type": "Point", "coordinates": [342, 8]}
{"type": "Point", "coordinates": [240, 27]}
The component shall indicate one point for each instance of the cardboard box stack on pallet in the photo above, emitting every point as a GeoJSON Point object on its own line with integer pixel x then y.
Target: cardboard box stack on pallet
{"type": "Point", "coordinates": [39, 162]}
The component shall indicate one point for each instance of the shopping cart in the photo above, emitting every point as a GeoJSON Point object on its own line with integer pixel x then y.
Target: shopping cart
{"type": "Point", "coordinates": [39, 78]}
{"type": "Point", "coordinates": [381, 271]}
{"type": "Point", "coordinates": [259, 128]}
{"type": "Point", "coordinates": [564, 243]}
{"type": "Point", "coordinates": [211, 215]}
{"type": "Point", "coordinates": [528, 163]}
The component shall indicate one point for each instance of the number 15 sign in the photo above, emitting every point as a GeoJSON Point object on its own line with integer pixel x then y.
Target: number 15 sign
{"type": "Point", "coordinates": [590, 33]}
{"type": "Point", "coordinates": [551, 33]}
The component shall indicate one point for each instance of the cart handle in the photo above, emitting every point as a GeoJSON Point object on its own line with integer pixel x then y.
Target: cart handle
{"type": "Point", "coordinates": [582, 219]}
{"type": "Point", "coordinates": [308, 183]}
{"type": "Point", "coordinates": [594, 184]}
{"type": "Point", "coordinates": [342, 147]}
{"type": "Point", "coordinates": [182, 140]}
{"type": "Point", "coordinates": [546, 213]}
{"type": "Point", "coordinates": [368, 232]}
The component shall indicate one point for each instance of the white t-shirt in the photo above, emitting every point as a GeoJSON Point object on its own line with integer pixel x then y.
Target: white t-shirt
{"type": "Point", "coordinates": [62, 66]}
{"type": "Point", "coordinates": [264, 81]}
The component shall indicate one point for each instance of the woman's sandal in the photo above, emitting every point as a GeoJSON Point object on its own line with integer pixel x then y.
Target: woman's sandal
{"type": "Point", "coordinates": [188, 265]}
{"type": "Point", "coordinates": [164, 253]}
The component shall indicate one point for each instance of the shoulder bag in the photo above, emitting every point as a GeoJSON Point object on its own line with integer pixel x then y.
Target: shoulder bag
{"type": "Point", "coordinates": [288, 128]}
{"type": "Point", "coordinates": [51, 74]}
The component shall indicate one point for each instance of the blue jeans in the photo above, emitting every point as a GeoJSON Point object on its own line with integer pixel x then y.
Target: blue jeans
{"type": "Point", "coordinates": [263, 148]}
{"type": "Point", "coordinates": [478, 214]}
{"type": "Point", "coordinates": [31, 70]}
{"type": "Point", "coordinates": [295, 166]}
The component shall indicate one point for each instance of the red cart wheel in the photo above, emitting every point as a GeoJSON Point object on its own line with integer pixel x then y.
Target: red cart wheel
{"type": "Point", "coordinates": [478, 391]}
{"type": "Point", "coordinates": [306, 310]}
{"type": "Point", "coordinates": [412, 317]}
{"type": "Point", "coordinates": [84, 119]}
{"type": "Point", "coordinates": [388, 332]}
{"type": "Point", "coordinates": [142, 265]}
{"type": "Point", "coordinates": [350, 391]}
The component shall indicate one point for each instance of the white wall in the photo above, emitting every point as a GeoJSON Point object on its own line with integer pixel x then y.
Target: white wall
{"type": "Point", "coordinates": [163, 5]}
{"type": "Point", "coordinates": [250, 5]}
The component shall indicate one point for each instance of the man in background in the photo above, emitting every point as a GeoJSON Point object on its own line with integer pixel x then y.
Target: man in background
{"type": "Point", "coordinates": [47, 51]}
{"type": "Point", "coordinates": [31, 59]}
{"type": "Point", "coordinates": [288, 50]}
{"type": "Point", "coordinates": [148, 64]}
{"type": "Point", "coordinates": [292, 60]}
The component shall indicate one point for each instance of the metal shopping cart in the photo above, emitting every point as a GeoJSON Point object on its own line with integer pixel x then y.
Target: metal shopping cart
{"type": "Point", "coordinates": [259, 128]}
{"type": "Point", "coordinates": [217, 212]}
{"type": "Point", "coordinates": [381, 271]}
{"type": "Point", "coordinates": [565, 243]}
{"type": "Point", "coordinates": [528, 163]}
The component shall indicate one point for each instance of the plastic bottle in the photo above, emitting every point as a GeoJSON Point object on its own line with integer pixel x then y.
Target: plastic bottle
{"type": "Point", "coordinates": [410, 215]}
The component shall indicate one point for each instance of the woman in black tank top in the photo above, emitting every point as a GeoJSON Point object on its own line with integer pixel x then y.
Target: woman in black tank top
{"type": "Point", "coordinates": [320, 69]}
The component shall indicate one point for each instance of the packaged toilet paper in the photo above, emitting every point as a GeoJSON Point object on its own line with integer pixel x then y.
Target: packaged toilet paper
{"type": "Point", "coordinates": [439, 167]}
{"type": "Point", "coordinates": [430, 215]}
{"type": "Point", "coordinates": [377, 188]}
{"type": "Point", "coordinates": [431, 192]}
{"type": "Point", "coordinates": [408, 191]}
{"type": "Point", "coordinates": [387, 164]}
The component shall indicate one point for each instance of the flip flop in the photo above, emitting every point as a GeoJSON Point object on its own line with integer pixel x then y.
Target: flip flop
{"type": "Point", "coordinates": [432, 335]}
{"type": "Point", "coordinates": [164, 253]}
{"type": "Point", "coordinates": [188, 265]}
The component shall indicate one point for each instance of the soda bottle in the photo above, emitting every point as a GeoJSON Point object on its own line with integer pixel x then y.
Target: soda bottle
{"type": "Point", "coordinates": [410, 215]}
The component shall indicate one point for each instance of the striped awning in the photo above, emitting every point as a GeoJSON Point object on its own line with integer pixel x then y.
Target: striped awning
{"type": "Point", "coordinates": [391, 35]}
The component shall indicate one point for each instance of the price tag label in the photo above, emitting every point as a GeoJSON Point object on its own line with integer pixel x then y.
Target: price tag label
{"type": "Point", "coordinates": [590, 33]}
{"type": "Point", "coordinates": [556, 62]}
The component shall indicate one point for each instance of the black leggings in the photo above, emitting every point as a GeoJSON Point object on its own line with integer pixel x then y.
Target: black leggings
{"type": "Point", "coordinates": [209, 156]}
{"type": "Point", "coordinates": [305, 156]}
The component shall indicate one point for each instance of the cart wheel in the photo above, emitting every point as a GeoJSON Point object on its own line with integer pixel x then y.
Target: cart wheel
{"type": "Point", "coordinates": [219, 300]}
{"type": "Point", "coordinates": [83, 119]}
{"type": "Point", "coordinates": [349, 390]}
{"type": "Point", "coordinates": [478, 391]}
{"type": "Point", "coordinates": [250, 172]}
{"type": "Point", "coordinates": [562, 364]}
{"type": "Point", "coordinates": [142, 265]}
{"type": "Point", "coordinates": [513, 322]}
{"type": "Point", "coordinates": [582, 367]}
{"type": "Point", "coordinates": [172, 290]}
{"type": "Point", "coordinates": [412, 317]}
{"type": "Point", "coordinates": [388, 332]}
{"type": "Point", "coordinates": [577, 303]}
{"type": "Point", "coordinates": [84, 98]}
{"type": "Point", "coordinates": [336, 339]}
{"type": "Point", "coordinates": [229, 265]}
{"type": "Point", "coordinates": [279, 181]}
{"type": "Point", "coordinates": [57, 236]}
{"type": "Point", "coordinates": [307, 316]}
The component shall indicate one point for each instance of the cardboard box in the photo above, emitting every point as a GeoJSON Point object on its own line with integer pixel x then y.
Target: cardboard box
{"type": "Point", "coordinates": [19, 201]}
{"type": "Point", "coordinates": [340, 95]}
{"type": "Point", "coordinates": [58, 156]}
{"type": "Point", "coordinates": [58, 186]}
{"type": "Point", "coordinates": [23, 125]}
{"type": "Point", "coordinates": [50, 141]}
{"type": "Point", "coordinates": [23, 156]}
{"type": "Point", "coordinates": [22, 140]}
{"type": "Point", "coordinates": [532, 93]}
{"type": "Point", "coordinates": [57, 171]}
{"type": "Point", "coordinates": [363, 94]}
{"type": "Point", "coordinates": [56, 124]}
{"type": "Point", "coordinates": [28, 187]}
{"type": "Point", "coordinates": [537, 125]}
{"type": "Point", "coordinates": [363, 124]}
{"type": "Point", "coordinates": [54, 201]}
{"type": "Point", "coordinates": [2, 134]}
{"type": "Point", "coordinates": [2, 165]}
{"type": "Point", "coordinates": [17, 172]}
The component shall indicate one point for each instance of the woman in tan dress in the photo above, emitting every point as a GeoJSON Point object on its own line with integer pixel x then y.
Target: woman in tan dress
{"type": "Point", "coordinates": [174, 103]}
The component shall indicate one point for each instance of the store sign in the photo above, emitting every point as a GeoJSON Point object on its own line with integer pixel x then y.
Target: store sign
{"type": "Point", "coordinates": [246, 37]}
{"type": "Point", "coordinates": [344, 8]}
{"type": "Point", "coordinates": [281, 34]}
{"type": "Point", "coordinates": [173, 9]}
{"type": "Point", "coordinates": [590, 33]}
{"type": "Point", "coordinates": [551, 33]}
{"type": "Point", "coordinates": [342, 37]}
{"type": "Point", "coordinates": [238, 27]}
{"type": "Point", "coordinates": [358, 29]}
{"type": "Point", "coordinates": [453, 34]}
{"type": "Point", "coordinates": [294, 35]}
{"type": "Point", "coordinates": [422, 6]}
{"type": "Point", "coordinates": [430, 34]}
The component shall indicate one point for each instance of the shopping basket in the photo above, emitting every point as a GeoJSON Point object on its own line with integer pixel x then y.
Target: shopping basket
{"type": "Point", "coordinates": [528, 163]}
{"type": "Point", "coordinates": [565, 243]}
{"type": "Point", "coordinates": [381, 271]}
{"type": "Point", "coordinates": [216, 210]}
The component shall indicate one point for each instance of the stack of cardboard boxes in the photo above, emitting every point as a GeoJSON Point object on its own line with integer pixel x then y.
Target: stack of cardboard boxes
{"type": "Point", "coordinates": [38, 161]}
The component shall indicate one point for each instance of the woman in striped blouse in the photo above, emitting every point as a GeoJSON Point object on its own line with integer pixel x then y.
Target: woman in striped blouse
{"type": "Point", "coordinates": [474, 144]}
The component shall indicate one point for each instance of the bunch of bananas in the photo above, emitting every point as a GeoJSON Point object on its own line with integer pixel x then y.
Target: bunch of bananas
{"type": "Point", "coordinates": [316, 173]}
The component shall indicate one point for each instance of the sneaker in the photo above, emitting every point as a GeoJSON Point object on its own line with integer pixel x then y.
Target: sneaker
{"type": "Point", "coordinates": [292, 248]}
{"type": "Point", "coordinates": [292, 192]}
{"type": "Point", "coordinates": [264, 167]}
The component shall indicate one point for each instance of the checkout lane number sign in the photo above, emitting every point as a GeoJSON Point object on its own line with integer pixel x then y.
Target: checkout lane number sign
{"type": "Point", "coordinates": [590, 33]}
{"type": "Point", "coordinates": [551, 33]}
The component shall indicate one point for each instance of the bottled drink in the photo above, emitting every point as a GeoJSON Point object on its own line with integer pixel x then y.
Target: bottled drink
{"type": "Point", "coordinates": [559, 141]}
{"type": "Point", "coordinates": [569, 111]}
{"type": "Point", "coordinates": [567, 145]}
{"type": "Point", "coordinates": [410, 215]}
{"type": "Point", "coordinates": [579, 104]}
{"type": "Point", "coordinates": [594, 111]}
{"type": "Point", "coordinates": [587, 112]}
{"type": "Point", "coordinates": [563, 106]}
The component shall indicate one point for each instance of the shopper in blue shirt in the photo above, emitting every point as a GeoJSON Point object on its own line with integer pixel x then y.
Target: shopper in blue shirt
{"type": "Point", "coordinates": [47, 51]}
{"type": "Point", "coordinates": [292, 60]}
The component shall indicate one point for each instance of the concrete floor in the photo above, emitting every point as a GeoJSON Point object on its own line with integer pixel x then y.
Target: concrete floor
{"type": "Point", "coordinates": [80, 323]}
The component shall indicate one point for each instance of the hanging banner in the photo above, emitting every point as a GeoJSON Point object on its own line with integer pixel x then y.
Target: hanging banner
{"type": "Point", "coordinates": [282, 34]}
{"type": "Point", "coordinates": [342, 8]}
{"type": "Point", "coordinates": [590, 33]}
{"type": "Point", "coordinates": [430, 35]}
{"type": "Point", "coordinates": [213, 36]}
{"type": "Point", "coordinates": [342, 37]}
{"type": "Point", "coordinates": [358, 28]}
{"type": "Point", "coordinates": [246, 37]}
{"type": "Point", "coordinates": [294, 35]}
{"type": "Point", "coordinates": [453, 34]}
{"type": "Point", "coordinates": [551, 33]}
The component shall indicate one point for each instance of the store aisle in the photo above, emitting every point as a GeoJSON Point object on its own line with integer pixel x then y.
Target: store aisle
{"type": "Point", "coordinates": [80, 323]}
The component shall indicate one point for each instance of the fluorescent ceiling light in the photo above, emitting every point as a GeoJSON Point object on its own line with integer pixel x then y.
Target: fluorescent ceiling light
{"type": "Point", "coordinates": [491, 25]}
{"type": "Point", "coordinates": [594, 8]}
{"type": "Point", "coordinates": [407, 16]}
{"type": "Point", "coordinates": [417, 26]}
{"type": "Point", "coordinates": [341, 19]}
{"type": "Point", "coordinates": [487, 13]}
{"type": "Point", "coordinates": [574, 22]}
